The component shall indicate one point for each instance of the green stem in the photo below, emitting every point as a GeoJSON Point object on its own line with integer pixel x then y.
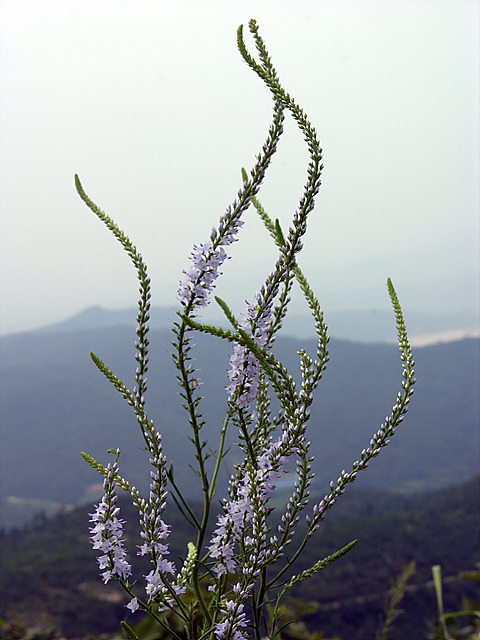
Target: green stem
{"type": "Point", "coordinates": [200, 460]}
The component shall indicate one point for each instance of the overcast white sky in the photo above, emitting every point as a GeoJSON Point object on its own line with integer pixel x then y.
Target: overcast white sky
{"type": "Point", "coordinates": [151, 104]}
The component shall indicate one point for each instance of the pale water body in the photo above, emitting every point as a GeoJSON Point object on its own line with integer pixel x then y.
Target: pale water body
{"type": "Point", "coordinates": [429, 339]}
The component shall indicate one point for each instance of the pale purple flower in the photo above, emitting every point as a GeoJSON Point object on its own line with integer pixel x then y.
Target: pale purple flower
{"type": "Point", "coordinates": [154, 578]}
{"type": "Point", "coordinates": [229, 526]}
{"type": "Point", "coordinates": [201, 276]}
{"type": "Point", "coordinates": [133, 605]}
{"type": "Point", "coordinates": [234, 619]}
{"type": "Point", "coordinates": [230, 223]}
{"type": "Point", "coordinates": [208, 257]}
{"type": "Point", "coordinates": [107, 532]}
{"type": "Point", "coordinates": [245, 368]}
{"type": "Point", "coordinates": [238, 514]}
{"type": "Point", "coordinates": [154, 531]}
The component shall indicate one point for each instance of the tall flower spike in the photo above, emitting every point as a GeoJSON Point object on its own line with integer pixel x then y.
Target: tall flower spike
{"type": "Point", "coordinates": [200, 278]}
{"type": "Point", "coordinates": [107, 531]}
{"type": "Point", "coordinates": [208, 257]}
{"type": "Point", "coordinates": [244, 366]}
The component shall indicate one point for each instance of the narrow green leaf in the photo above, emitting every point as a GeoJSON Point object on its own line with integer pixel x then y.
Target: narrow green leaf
{"type": "Point", "coordinates": [129, 632]}
{"type": "Point", "coordinates": [279, 233]}
{"type": "Point", "coordinates": [227, 311]}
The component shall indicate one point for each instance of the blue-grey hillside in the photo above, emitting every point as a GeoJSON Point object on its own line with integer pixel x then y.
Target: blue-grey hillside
{"type": "Point", "coordinates": [367, 325]}
{"type": "Point", "coordinates": [56, 404]}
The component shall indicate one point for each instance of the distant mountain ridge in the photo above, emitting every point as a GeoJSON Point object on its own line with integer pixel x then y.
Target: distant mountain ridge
{"type": "Point", "coordinates": [56, 404]}
{"type": "Point", "coordinates": [357, 325]}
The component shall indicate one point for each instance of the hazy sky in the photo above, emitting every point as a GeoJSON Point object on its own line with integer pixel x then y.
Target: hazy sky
{"type": "Point", "coordinates": [151, 104]}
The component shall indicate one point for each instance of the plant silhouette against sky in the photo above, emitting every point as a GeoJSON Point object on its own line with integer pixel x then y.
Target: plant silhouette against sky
{"type": "Point", "coordinates": [231, 583]}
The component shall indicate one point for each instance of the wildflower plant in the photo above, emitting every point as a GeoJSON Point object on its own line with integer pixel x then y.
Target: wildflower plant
{"type": "Point", "coordinates": [232, 581]}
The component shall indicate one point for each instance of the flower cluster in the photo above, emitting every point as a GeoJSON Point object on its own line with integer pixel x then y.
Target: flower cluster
{"type": "Point", "coordinates": [154, 531]}
{"type": "Point", "coordinates": [209, 256]}
{"type": "Point", "coordinates": [201, 276]}
{"type": "Point", "coordinates": [239, 513]}
{"type": "Point", "coordinates": [234, 620]}
{"type": "Point", "coordinates": [244, 366]}
{"type": "Point", "coordinates": [107, 531]}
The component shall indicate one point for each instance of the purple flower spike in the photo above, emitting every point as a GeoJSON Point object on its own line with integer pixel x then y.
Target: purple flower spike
{"type": "Point", "coordinates": [238, 513]}
{"type": "Point", "coordinates": [108, 530]}
{"type": "Point", "coordinates": [208, 257]}
{"type": "Point", "coordinates": [200, 278]}
{"type": "Point", "coordinates": [234, 619]}
{"type": "Point", "coordinates": [244, 366]}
